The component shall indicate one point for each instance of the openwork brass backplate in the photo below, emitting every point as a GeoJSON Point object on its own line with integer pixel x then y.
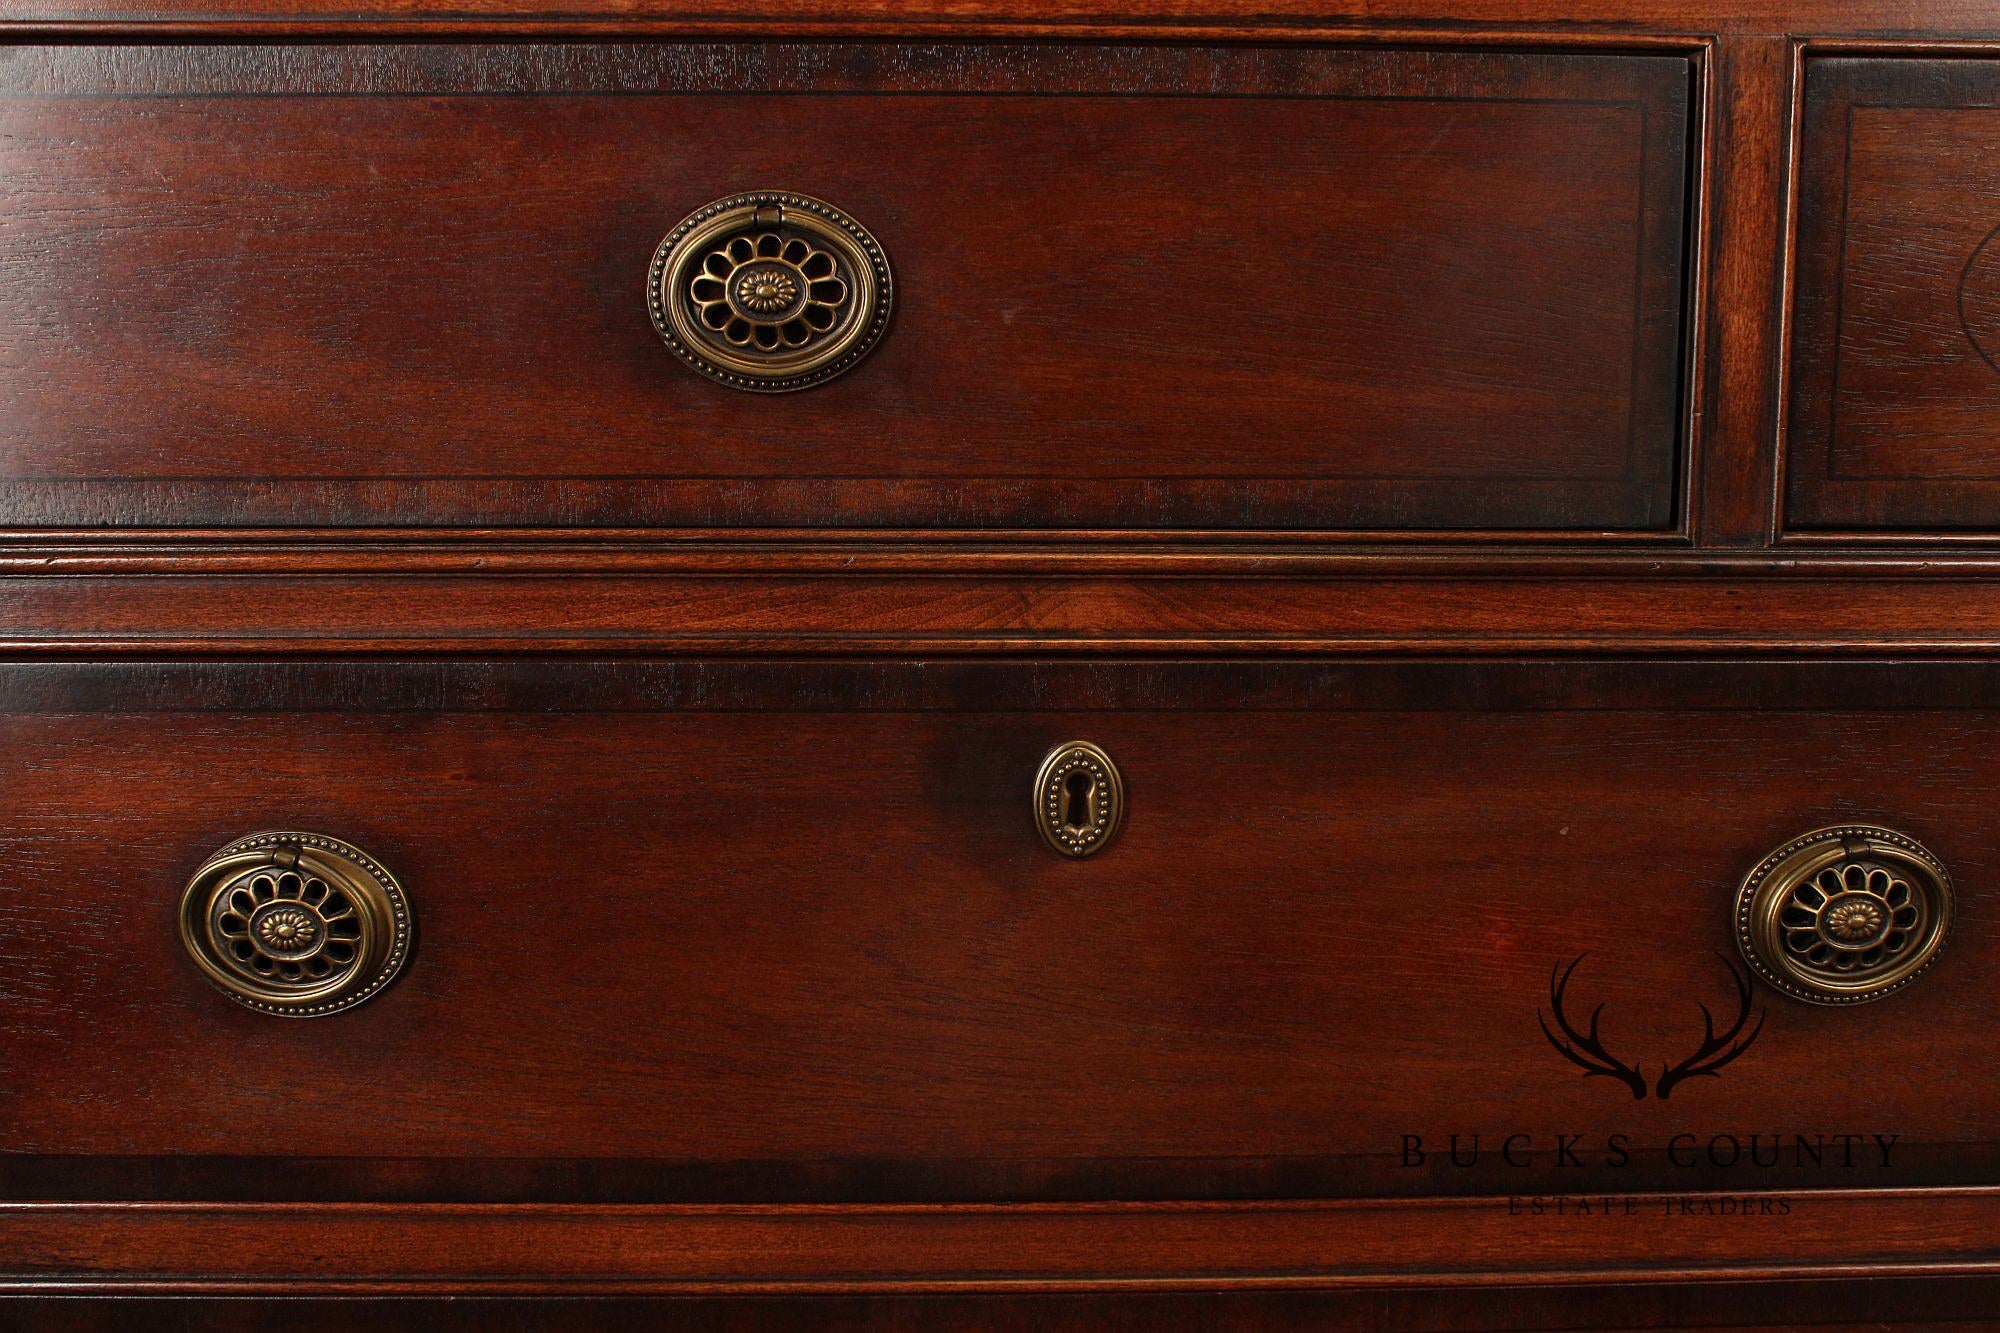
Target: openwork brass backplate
{"type": "Point", "coordinates": [770, 291]}
{"type": "Point", "coordinates": [296, 924]}
{"type": "Point", "coordinates": [1844, 914]}
{"type": "Point", "coordinates": [1079, 799]}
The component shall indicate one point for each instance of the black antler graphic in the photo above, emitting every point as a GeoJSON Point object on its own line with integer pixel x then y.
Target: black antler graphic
{"type": "Point", "coordinates": [1584, 1050]}
{"type": "Point", "coordinates": [1715, 1050]}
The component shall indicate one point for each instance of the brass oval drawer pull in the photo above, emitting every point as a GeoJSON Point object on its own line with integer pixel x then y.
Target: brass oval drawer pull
{"type": "Point", "coordinates": [770, 291]}
{"type": "Point", "coordinates": [1844, 914]}
{"type": "Point", "coordinates": [1079, 799]}
{"type": "Point", "coordinates": [296, 924]}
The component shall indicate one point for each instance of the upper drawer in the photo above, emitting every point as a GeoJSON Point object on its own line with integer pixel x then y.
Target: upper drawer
{"type": "Point", "coordinates": [1895, 414]}
{"type": "Point", "coordinates": [1134, 286]}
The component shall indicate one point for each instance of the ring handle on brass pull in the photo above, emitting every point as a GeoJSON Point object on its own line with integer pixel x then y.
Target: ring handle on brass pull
{"type": "Point", "coordinates": [296, 924]}
{"type": "Point", "coordinates": [1079, 799]}
{"type": "Point", "coordinates": [770, 291]}
{"type": "Point", "coordinates": [1845, 914]}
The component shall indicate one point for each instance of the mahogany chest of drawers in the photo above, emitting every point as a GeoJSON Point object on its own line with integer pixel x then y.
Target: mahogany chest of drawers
{"type": "Point", "coordinates": [998, 665]}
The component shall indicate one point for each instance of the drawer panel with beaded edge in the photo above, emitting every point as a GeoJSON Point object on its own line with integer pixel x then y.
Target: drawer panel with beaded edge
{"type": "Point", "coordinates": [739, 932]}
{"type": "Point", "coordinates": [1031, 286]}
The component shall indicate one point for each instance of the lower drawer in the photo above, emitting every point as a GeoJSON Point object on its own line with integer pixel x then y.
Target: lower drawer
{"type": "Point", "coordinates": [767, 932]}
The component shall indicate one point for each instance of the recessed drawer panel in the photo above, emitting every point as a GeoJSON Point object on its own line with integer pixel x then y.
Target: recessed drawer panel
{"type": "Point", "coordinates": [1129, 286]}
{"type": "Point", "coordinates": [1895, 414]}
{"type": "Point", "coordinates": [739, 931]}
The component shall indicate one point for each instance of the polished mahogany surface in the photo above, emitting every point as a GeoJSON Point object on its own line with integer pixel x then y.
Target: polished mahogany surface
{"type": "Point", "coordinates": [734, 931]}
{"type": "Point", "coordinates": [1898, 327]}
{"type": "Point", "coordinates": [1489, 474]}
{"type": "Point", "coordinates": [1138, 286]}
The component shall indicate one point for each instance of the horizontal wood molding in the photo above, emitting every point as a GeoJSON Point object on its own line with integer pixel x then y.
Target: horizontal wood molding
{"type": "Point", "coordinates": [488, 555]}
{"type": "Point", "coordinates": [1469, 20]}
{"type": "Point", "coordinates": [705, 600]}
{"type": "Point", "coordinates": [501, 1248]}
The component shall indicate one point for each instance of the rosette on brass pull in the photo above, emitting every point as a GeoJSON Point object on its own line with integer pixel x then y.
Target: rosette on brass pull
{"type": "Point", "coordinates": [770, 291]}
{"type": "Point", "coordinates": [296, 924]}
{"type": "Point", "coordinates": [1844, 914]}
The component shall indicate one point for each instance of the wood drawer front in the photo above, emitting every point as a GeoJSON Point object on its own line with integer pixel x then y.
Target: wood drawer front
{"type": "Point", "coordinates": [1137, 286]}
{"type": "Point", "coordinates": [1895, 414]}
{"type": "Point", "coordinates": [784, 932]}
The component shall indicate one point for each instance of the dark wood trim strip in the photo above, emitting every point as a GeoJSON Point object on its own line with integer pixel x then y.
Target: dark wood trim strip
{"type": "Point", "coordinates": [200, 1178]}
{"type": "Point", "coordinates": [1797, 1306]}
{"type": "Point", "coordinates": [1114, 684]}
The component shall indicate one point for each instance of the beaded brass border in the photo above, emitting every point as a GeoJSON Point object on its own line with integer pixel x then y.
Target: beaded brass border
{"type": "Point", "coordinates": [1764, 889]}
{"type": "Point", "coordinates": [1107, 799]}
{"type": "Point", "coordinates": [387, 907]}
{"type": "Point", "coordinates": [684, 246]}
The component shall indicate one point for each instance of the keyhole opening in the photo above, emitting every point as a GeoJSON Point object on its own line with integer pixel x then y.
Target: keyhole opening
{"type": "Point", "coordinates": [1076, 806]}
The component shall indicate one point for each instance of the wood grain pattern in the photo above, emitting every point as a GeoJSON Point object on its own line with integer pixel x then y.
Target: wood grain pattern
{"type": "Point", "coordinates": [747, 977]}
{"type": "Point", "coordinates": [1621, 22]}
{"type": "Point", "coordinates": [841, 602]}
{"type": "Point", "coordinates": [373, 1249]}
{"type": "Point", "coordinates": [1742, 175]}
{"type": "Point", "coordinates": [1897, 362]}
{"type": "Point", "coordinates": [1222, 287]}
{"type": "Point", "coordinates": [788, 931]}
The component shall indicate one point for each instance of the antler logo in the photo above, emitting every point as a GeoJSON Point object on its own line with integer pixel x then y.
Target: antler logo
{"type": "Point", "coordinates": [1586, 1049]}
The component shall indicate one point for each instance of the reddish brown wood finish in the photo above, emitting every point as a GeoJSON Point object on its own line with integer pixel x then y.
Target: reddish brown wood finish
{"type": "Point", "coordinates": [376, 1249]}
{"type": "Point", "coordinates": [1896, 404]}
{"type": "Point", "coordinates": [1741, 173]}
{"type": "Point", "coordinates": [1139, 286]}
{"type": "Point", "coordinates": [1611, 21]}
{"type": "Point", "coordinates": [774, 932]}
{"type": "Point", "coordinates": [872, 990]}
{"type": "Point", "coordinates": [283, 601]}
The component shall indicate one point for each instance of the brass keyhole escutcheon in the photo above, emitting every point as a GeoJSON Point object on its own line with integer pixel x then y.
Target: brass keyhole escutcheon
{"type": "Point", "coordinates": [1079, 799]}
{"type": "Point", "coordinates": [1844, 914]}
{"type": "Point", "coordinates": [299, 925]}
{"type": "Point", "coordinates": [770, 291]}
